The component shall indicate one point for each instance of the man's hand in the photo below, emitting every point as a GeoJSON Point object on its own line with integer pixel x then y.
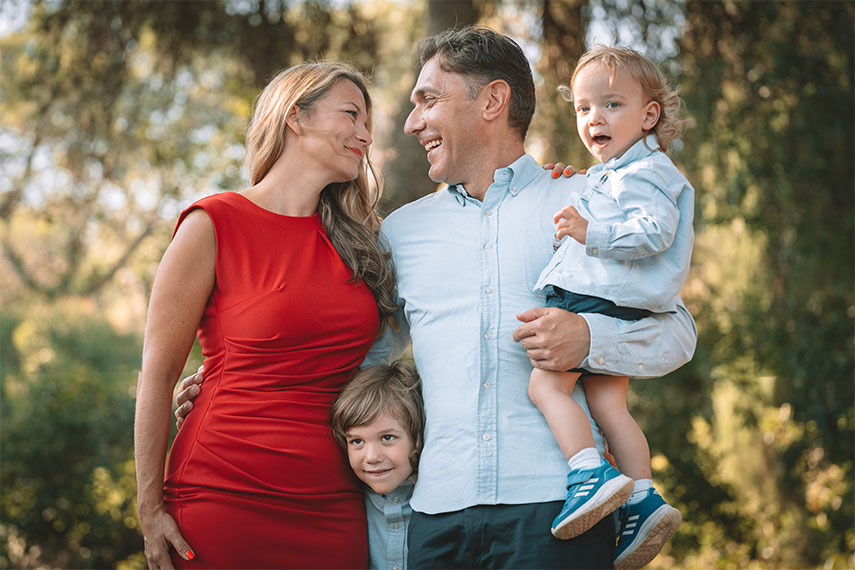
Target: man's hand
{"type": "Point", "coordinates": [188, 389]}
{"type": "Point", "coordinates": [568, 222]}
{"type": "Point", "coordinates": [554, 338]}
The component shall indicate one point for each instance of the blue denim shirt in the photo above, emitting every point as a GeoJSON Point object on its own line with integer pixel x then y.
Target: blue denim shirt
{"type": "Point", "coordinates": [464, 270]}
{"type": "Point", "coordinates": [639, 241]}
{"type": "Point", "coordinates": [388, 518]}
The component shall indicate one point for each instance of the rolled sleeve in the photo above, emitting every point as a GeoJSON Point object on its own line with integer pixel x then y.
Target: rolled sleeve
{"type": "Point", "coordinates": [646, 348]}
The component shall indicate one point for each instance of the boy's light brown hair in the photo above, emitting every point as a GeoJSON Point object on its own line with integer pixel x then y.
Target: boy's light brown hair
{"type": "Point", "coordinates": [653, 84]}
{"type": "Point", "coordinates": [394, 390]}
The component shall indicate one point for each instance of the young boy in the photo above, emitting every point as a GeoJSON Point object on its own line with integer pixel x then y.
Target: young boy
{"type": "Point", "coordinates": [378, 420]}
{"type": "Point", "coordinates": [627, 257]}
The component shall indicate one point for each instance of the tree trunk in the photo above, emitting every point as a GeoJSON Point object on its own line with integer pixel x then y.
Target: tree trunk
{"type": "Point", "coordinates": [563, 44]}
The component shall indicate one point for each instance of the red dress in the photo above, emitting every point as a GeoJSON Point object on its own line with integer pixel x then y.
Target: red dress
{"type": "Point", "coordinates": [254, 477]}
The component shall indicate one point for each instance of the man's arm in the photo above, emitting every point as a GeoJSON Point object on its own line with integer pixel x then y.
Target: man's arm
{"type": "Point", "coordinates": [647, 348]}
{"type": "Point", "coordinates": [391, 345]}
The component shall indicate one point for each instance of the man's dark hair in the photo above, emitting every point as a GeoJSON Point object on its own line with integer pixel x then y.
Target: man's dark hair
{"type": "Point", "coordinates": [483, 55]}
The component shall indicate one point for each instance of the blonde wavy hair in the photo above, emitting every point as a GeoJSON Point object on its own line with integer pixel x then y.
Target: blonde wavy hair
{"type": "Point", "coordinates": [653, 83]}
{"type": "Point", "coordinates": [347, 209]}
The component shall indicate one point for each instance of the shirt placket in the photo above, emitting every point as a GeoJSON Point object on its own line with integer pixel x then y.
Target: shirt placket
{"type": "Point", "coordinates": [396, 532]}
{"type": "Point", "coordinates": [487, 420]}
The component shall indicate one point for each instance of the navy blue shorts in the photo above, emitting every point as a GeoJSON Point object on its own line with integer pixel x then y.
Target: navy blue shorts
{"type": "Point", "coordinates": [575, 303]}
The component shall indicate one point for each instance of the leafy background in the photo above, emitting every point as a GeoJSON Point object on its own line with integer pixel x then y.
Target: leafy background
{"type": "Point", "coordinates": [115, 115]}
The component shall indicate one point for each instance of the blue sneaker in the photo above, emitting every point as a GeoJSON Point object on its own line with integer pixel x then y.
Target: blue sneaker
{"type": "Point", "coordinates": [591, 495]}
{"type": "Point", "coordinates": [644, 528]}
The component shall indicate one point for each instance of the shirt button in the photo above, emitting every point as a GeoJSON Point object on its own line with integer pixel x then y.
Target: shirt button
{"type": "Point", "coordinates": [488, 246]}
{"type": "Point", "coordinates": [514, 189]}
{"type": "Point", "coordinates": [394, 568]}
{"type": "Point", "coordinates": [640, 366]}
{"type": "Point", "coordinates": [488, 336]}
{"type": "Point", "coordinates": [601, 360]}
{"type": "Point", "coordinates": [595, 251]}
{"type": "Point", "coordinates": [396, 526]}
{"type": "Point", "coordinates": [486, 385]}
{"type": "Point", "coordinates": [488, 212]}
{"type": "Point", "coordinates": [486, 437]}
{"type": "Point", "coordinates": [395, 500]}
{"type": "Point", "coordinates": [489, 289]}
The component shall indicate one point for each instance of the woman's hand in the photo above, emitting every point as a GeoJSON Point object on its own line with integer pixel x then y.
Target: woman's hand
{"type": "Point", "coordinates": [159, 534]}
{"type": "Point", "coordinates": [559, 168]}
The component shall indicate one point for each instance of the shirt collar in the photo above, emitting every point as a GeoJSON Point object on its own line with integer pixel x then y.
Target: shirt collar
{"type": "Point", "coordinates": [641, 149]}
{"type": "Point", "coordinates": [515, 177]}
{"type": "Point", "coordinates": [403, 492]}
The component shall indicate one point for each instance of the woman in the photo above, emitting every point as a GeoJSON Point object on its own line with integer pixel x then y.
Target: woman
{"type": "Point", "coordinates": [288, 289]}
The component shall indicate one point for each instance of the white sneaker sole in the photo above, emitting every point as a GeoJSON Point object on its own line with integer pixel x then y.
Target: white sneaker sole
{"type": "Point", "coordinates": [606, 500]}
{"type": "Point", "coordinates": [652, 536]}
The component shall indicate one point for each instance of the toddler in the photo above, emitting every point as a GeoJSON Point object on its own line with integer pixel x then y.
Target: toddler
{"type": "Point", "coordinates": [627, 256]}
{"type": "Point", "coordinates": [378, 420]}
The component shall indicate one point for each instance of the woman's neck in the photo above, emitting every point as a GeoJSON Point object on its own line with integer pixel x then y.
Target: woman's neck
{"type": "Point", "coordinates": [287, 189]}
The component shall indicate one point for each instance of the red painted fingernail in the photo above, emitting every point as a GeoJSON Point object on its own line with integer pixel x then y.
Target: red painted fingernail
{"type": "Point", "coordinates": [555, 175]}
{"type": "Point", "coordinates": [189, 554]}
{"type": "Point", "coordinates": [567, 171]}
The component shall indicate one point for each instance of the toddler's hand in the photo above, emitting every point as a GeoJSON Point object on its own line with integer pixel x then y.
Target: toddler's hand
{"type": "Point", "coordinates": [568, 222]}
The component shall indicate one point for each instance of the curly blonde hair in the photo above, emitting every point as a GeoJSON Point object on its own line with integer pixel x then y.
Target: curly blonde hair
{"type": "Point", "coordinates": [347, 209]}
{"type": "Point", "coordinates": [653, 83]}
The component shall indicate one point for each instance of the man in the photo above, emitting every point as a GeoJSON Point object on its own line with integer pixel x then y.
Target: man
{"type": "Point", "coordinates": [491, 476]}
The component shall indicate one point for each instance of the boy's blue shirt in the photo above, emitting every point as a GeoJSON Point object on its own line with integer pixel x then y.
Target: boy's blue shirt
{"type": "Point", "coordinates": [638, 246]}
{"type": "Point", "coordinates": [388, 518]}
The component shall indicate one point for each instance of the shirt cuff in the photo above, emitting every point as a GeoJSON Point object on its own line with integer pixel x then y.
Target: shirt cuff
{"type": "Point", "coordinates": [606, 355]}
{"type": "Point", "coordinates": [596, 238]}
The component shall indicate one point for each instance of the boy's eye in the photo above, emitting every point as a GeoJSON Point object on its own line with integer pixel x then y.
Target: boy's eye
{"type": "Point", "coordinates": [582, 109]}
{"type": "Point", "coordinates": [612, 105]}
{"type": "Point", "coordinates": [353, 114]}
{"type": "Point", "coordinates": [354, 441]}
{"type": "Point", "coordinates": [388, 437]}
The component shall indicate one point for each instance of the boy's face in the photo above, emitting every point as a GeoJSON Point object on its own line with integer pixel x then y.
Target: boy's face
{"type": "Point", "coordinates": [379, 453]}
{"type": "Point", "coordinates": [612, 112]}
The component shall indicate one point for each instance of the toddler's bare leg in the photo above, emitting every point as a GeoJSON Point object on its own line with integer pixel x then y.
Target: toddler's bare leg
{"type": "Point", "coordinates": [606, 397]}
{"type": "Point", "coordinates": [550, 392]}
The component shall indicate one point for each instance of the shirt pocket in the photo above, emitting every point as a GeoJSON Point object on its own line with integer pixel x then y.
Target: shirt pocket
{"type": "Point", "coordinates": [602, 206]}
{"type": "Point", "coordinates": [537, 249]}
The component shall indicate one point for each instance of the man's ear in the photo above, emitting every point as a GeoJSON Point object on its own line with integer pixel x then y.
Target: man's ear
{"type": "Point", "coordinates": [292, 119]}
{"type": "Point", "coordinates": [651, 115]}
{"type": "Point", "coordinates": [497, 99]}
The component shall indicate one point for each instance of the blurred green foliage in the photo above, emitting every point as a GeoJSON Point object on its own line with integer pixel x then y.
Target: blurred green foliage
{"type": "Point", "coordinates": [67, 462]}
{"type": "Point", "coordinates": [114, 115]}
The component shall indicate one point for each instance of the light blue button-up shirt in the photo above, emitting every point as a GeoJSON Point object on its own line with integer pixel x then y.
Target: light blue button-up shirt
{"type": "Point", "coordinates": [464, 269]}
{"type": "Point", "coordinates": [638, 246]}
{"type": "Point", "coordinates": [388, 518]}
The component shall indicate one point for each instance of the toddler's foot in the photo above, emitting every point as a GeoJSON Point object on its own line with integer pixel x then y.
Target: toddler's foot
{"type": "Point", "coordinates": [644, 528]}
{"type": "Point", "coordinates": [591, 495]}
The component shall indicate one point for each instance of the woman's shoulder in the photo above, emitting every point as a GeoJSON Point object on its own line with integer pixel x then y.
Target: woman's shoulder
{"type": "Point", "coordinates": [227, 198]}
